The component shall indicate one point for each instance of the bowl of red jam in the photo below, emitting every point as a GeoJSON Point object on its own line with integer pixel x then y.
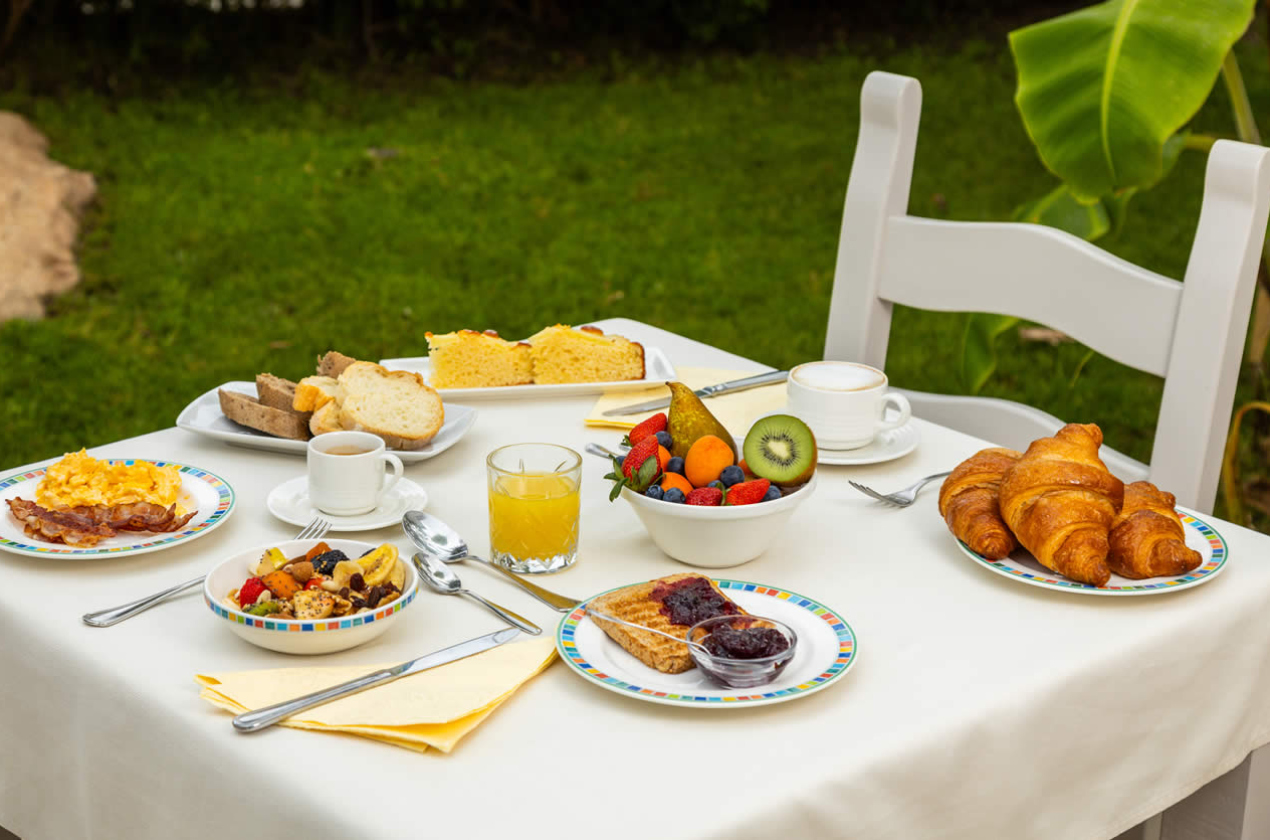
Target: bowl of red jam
{"type": "Point", "coordinates": [742, 651]}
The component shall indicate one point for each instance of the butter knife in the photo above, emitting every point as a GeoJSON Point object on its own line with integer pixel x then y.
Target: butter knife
{"type": "Point", "coordinates": [708, 391]}
{"type": "Point", "coordinates": [259, 719]}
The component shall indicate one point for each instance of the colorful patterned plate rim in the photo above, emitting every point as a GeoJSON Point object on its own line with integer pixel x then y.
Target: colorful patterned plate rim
{"type": "Point", "coordinates": [212, 494]}
{"type": "Point", "coordinates": [1201, 536]}
{"type": "Point", "coordinates": [827, 649]}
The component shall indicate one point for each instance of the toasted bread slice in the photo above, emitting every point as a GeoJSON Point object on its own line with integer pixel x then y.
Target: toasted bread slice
{"type": "Point", "coordinates": [333, 364]}
{"type": "Point", "coordinates": [562, 354]}
{"type": "Point", "coordinates": [246, 410]}
{"type": "Point", "coordinates": [398, 405]}
{"type": "Point", "coordinates": [638, 604]}
{"type": "Point", "coordinates": [313, 392]}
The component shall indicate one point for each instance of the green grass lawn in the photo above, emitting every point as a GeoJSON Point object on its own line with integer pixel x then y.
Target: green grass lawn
{"type": "Point", "coordinates": [245, 227]}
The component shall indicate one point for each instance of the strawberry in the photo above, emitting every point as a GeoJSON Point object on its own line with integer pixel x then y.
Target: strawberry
{"type": "Point", "coordinates": [748, 492]}
{"type": "Point", "coordinates": [650, 427]}
{"type": "Point", "coordinates": [250, 591]}
{"type": "Point", "coordinates": [706, 496]}
{"type": "Point", "coordinates": [647, 448]}
{"type": "Point", "coordinates": [638, 470]}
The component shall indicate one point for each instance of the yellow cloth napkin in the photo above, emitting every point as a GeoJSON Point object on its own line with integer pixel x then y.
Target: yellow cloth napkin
{"type": "Point", "coordinates": [737, 412]}
{"type": "Point", "coordinates": [435, 708]}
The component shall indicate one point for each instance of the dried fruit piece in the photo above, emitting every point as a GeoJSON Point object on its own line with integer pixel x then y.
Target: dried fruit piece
{"type": "Point", "coordinates": [324, 563]}
{"type": "Point", "coordinates": [378, 565]}
{"type": "Point", "coordinates": [281, 584]}
{"type": "Point", "coordinates": [320, 548]}
{"type": "Point", "coordinates": [344, 572]}
{"type": "Point", "coordinates": [313, 603]}
{"type": "Point", "coordinates": [267, 608]}
{"type": "Point", "coordinates": [250, 591]}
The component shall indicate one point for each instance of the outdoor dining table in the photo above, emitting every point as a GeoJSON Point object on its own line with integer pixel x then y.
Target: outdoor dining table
{"type": "Point", "coordinates": [978, 708]}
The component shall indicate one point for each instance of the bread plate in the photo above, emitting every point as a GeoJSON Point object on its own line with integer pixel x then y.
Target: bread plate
{"type": "Point", "coordinates": [1022, 567]}
{"type": "Point", "coordinates": [202, 491]}
{"type": "Point", "coordinates": [204, 417]}
{"type": "Point", "coordinates": [657, 369]}
{"type": "Point", "coordinates": [827, 649]}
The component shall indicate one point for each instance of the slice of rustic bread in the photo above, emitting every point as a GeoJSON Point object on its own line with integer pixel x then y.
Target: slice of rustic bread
{"type": "Point", "coordinates": [333, 364]}
{"type": "Point", "coordinates": [275, 392]}
{"type": "Point", "coordinates": [398, 405]}
{"type": "Point", "coordinates": [246, 410]}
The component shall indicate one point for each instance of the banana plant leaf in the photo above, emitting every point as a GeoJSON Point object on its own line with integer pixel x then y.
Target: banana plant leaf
{"type": "Point", "coordinates": [979, 347]}
{"type": "Point", "coordinates": [1103, 88]}
{"type": "Point", "coordinates": [1061, 209]}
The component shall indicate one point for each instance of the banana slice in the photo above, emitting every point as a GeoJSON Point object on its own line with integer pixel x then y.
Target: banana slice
{"type": "Point", "coordinates": [377, 566]}
{"type": "Point", "coordinates": [344, 570]}
{"type": "Point", "coordinates": [398, 576]}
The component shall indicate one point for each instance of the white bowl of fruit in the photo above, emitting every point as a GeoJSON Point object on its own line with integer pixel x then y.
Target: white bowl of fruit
{"type": "Point", "coordinates": [707, 507]}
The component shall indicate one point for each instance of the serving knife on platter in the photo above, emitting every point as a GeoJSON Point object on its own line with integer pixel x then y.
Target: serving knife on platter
{"type": "Point", "coordinates": [259, 719]}
{"type": "Point", "coordinates": [708, 391]}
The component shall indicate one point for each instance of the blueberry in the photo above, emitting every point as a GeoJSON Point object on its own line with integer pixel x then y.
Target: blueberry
{"type": "Point", "coordinates": [674, 495]}
{"type": "Point", "coordinates": [773, 493]}
{"type": "Point", "coordinates": [664, 439]}
{"type": "Point", "coordinates": [731, 475]}
{"type": "Point", "coordinates": [653, 492]}
{"type": "Point", "coordinates": [675, 465]}
{"type": "Point", "coordinates": [717, 485]}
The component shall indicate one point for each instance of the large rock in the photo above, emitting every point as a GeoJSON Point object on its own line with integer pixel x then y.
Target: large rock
{"type": "Point", "coordinates": [40, 206]}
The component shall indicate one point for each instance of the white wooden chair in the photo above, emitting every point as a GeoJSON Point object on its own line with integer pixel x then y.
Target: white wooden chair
{"type": "Point", "coordinates": [1191, 334]}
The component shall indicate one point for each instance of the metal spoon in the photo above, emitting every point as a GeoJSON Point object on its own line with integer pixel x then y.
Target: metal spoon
{"type": "Point", "coordinates": [439, 578]}
{"type": "Point", "coordinates": [603, 451]}
{"type": "Point", "coordinates": [596, 614]}
{"type": "Point", "coordinates": [436, 539]}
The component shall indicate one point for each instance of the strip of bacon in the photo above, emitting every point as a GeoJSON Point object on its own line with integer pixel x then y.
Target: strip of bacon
{"type": "Point", "coordinates": [66, 527]}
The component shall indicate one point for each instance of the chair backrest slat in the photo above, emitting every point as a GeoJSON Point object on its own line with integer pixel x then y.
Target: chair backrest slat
{"type": "Point", "coordinates": [1033, 272]}
{"type": "Point", "coordinates": [1191, 333]}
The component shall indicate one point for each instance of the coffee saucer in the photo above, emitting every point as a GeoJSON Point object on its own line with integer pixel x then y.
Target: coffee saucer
{"type": "Point", "coordinates": [887, 446]}
{"type": "Point", "coordinates": [289, 501]}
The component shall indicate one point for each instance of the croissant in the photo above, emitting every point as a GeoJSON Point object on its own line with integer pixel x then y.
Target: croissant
{"type": "Point", "coordinates": [968, 503]}
{"type": "Point", "coordinates": [1059, 499]}
{"type": "Point", "coordinates": [1147, 539]}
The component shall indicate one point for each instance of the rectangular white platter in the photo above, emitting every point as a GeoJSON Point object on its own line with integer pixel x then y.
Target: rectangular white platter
{"type": "Point", "coordinates": [204, 417]}
{"type": "Point", "coordinates": [657, 370]}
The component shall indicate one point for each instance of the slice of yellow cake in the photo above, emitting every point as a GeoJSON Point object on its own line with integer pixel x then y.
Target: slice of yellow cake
{"type": "Point", "coordinates": [470, 359]}
{"type": "Point", "coordinates": [563, 354]}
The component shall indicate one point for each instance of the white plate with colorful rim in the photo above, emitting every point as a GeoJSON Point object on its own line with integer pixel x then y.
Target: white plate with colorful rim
{"type": "Point", "coordinates": [204, 417]}
{"type": "Point", "coordinates": [657, 370]}
{"type": "Point", "coordinates": [887, 446]}
{"type": "Point", "coordinates": [1021, 566]}
{"type": "Point", "coordinates": [208, 493]}
{"type": "Point", "coordinates": [826, 650]}
{"type": "Point", "coordinates": [289, 501]}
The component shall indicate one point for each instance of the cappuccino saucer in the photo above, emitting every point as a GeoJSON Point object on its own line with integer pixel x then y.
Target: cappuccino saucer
{"type": "Point", "coordinates": [289, 501]}
{"type": "Point", "coordinates": [887, 446]}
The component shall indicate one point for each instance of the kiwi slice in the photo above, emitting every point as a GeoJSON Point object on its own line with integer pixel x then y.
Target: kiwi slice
{"type": "Point", "coordinates": [781, 449]}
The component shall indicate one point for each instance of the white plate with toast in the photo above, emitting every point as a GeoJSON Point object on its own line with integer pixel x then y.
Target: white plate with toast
{"type": "Point", "coordinates": [204, 417]}
{"type": "Point", "coordinates": [826, 650]}
{"type": "Point", "coordinates": [657, 370]}
{"type": "Point", "coordinates": [1022, 567]}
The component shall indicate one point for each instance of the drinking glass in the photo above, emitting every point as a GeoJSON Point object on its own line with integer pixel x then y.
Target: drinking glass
{"type": "Point", "coordinates": [534, 506]}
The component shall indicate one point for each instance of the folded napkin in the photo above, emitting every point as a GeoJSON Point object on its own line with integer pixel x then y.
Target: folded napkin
{"type": "Point", "coordinates": [434, 708]}
{"type": "Point", "coordinates": [737, 412]}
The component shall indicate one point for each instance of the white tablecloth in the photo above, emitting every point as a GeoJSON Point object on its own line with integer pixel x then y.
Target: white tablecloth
{"type": "Point", "coordinates": [979, 708]}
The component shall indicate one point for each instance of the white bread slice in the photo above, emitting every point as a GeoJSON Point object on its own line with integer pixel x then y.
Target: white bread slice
{"type": "Point", "coordinates": [328, 418]}
{"type": "Point", "coordinates": [398, 406]}
{"type": "Point", "coordinates": [313, 392]}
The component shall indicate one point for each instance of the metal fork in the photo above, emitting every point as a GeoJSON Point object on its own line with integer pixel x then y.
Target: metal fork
{"type": "Point", "coordinates": [900, 498]}
{"type": "Point", "coordinates": [105, 618]}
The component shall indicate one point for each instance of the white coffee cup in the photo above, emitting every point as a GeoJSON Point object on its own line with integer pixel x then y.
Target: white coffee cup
{"type": "Point", "coordinates": [844, 403]}
{"type": "Point", "coordinates": [346, 472]}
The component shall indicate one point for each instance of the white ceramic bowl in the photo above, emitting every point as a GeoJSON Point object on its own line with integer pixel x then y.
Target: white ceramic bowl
{"type": "Point", "coordinates": [716, 537]}
{"type": "Point", "coordinates": [294, 635]}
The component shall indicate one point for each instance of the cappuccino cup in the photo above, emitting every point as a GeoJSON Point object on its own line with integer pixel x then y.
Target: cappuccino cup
{"type": "Point", "coordinates": [844, 403]}
{"type": "Point", "coordinates": [346, 472]}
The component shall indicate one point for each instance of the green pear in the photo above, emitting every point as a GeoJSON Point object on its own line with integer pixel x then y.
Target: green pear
{"type": "Point", "coordinates": [689, 421]}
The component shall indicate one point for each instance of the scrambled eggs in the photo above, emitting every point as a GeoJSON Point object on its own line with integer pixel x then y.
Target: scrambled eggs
{"type": "Point", "coordinates": [81, 480]}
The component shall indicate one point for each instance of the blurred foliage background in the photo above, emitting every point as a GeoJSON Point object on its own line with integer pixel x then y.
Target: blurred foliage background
{"type": "Point", "coordinates": [281, 179]}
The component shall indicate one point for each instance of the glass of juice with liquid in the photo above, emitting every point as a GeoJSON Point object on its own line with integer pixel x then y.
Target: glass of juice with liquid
{"type": "Point", "coordinates": [534, 506]}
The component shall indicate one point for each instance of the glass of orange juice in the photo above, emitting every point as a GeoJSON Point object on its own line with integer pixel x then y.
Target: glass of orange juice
{"type": "Point", "coordinates": [534, 506]}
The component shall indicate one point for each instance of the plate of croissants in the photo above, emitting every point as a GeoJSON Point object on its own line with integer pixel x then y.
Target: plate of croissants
{"type": "Point", "coordinates": [1054, 516]}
